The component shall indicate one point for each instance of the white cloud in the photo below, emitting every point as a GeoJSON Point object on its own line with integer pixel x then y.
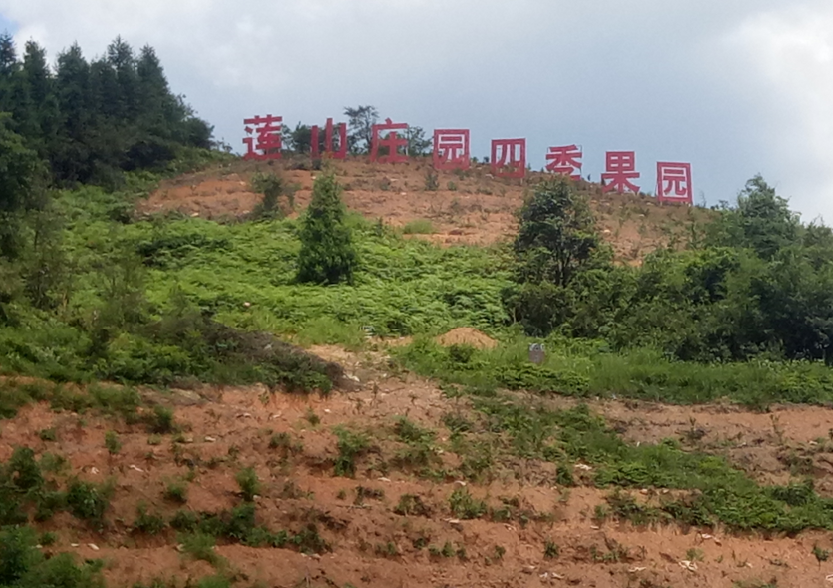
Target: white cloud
{"type": "Point", "coordinates": [791, 50]}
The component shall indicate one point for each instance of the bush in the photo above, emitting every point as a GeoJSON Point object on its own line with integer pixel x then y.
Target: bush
{"type": "Point", "coordinates": [112, 442]}
{"type": "Point", "coordinates": [351, 446]}
{"type": "Point", "coordinates": [88, 501]}
{"type": "Point", "coordinates": [147, 523]}
{"type": "Point", "coordinates": [249, 483]}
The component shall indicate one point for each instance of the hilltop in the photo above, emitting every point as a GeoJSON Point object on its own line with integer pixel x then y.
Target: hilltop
{"type": "Point", "coordinates": [464, 207]}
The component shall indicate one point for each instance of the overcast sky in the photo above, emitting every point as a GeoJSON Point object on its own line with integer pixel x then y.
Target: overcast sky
{"type": "Point", "coordinates": [736, 87]}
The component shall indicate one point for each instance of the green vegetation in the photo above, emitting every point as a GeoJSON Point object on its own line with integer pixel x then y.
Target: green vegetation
{"type": "Point", "coordinates": [177, 491]}
{"type": "Point", "coordinates": [327, 254]}
{"type": "Point", "coordinates": [419, 227]}
{"type": "Point", "coordinates": [112, 442]}
{"type": "Point", "coordinates": [249, 483]}
{"type": "Point", "coordinates": [714, 491]}
{"type": "Point", "coordinates": [22, 565]}
{"type": "Point", "coordinates": [351, 446]}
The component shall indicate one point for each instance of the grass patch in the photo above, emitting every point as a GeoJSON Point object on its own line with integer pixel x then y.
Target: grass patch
{"type": "Point", "coordinates": [352, 445]}
{"type": "Point", "coordinates": [584, 368]}
{"type": "Point", "coordinates": [419, 227]}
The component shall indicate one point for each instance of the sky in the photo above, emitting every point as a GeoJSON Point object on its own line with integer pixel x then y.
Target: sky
{"type": "Point", "coordinates": [734, 87]}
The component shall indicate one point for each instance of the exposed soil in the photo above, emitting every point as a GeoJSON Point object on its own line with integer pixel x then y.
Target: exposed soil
{"type": "Point", "coordinates": [468, 207]}
{"type": "Point", "coordinates": [227, 429]}
{"type": "Point", "coordinates": [467, 336]}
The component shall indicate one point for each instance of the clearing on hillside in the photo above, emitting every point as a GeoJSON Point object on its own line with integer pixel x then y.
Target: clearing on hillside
{"type": "Point", "coordinates": [470, 207]}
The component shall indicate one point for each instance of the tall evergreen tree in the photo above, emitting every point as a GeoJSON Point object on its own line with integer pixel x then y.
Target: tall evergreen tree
{"type": "Point", "coordinates": [327, 254]}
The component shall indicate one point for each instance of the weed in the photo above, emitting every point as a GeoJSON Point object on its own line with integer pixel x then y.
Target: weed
{"type": "Point", "coordinates": [551, 550]}
{"type": "Point", "coordinates": [694, 554]}
{"type": "Point", "coordinates": [185, 520]}
{"type": "Point", "coordinates": [48, 434]}
{"type": "Point", "coordinates": [161, 420]}
{"type": "Point", "coordinates": [465, 506]}
{"type": "Point", "coordinates": [249, 483]}
{"type": "Point", "coordinates": [432, 181]}
{"type": "Point", "coordinates": [452, 186]}
{"type": "Point", "coordinates": [363, 493]}
{"type": "Point", "coordinates": [147, 523]}
{"type": "Point", "coordinates": [419, 227]}
{"type": "Point", "coordinates": [312, 418]}
{"type": "Point", "coordinates": [154, 439]}
{"type": "Point", "coordinates": [291, 490]}
{"type": "Point", "coordinates": [342, 494]}
{"type": "Point", "coordinates": [283, 442]}
{"type": "Point", "coordinates": [388, 549]}
{"type": "Point", "coordinates": [351, 446]}
{"type": "Point", "coordinates": [412, 504]}
{"type": "Point", "coordinates": [200, 546]}
{"type": "Point", "coordinates": [176, 491]}
{"type": "Point", "coordinates": [47, 539]}
{"type": "Point", "coordinates": [821, 555]}
{"type": "Point", "coordinates": [112, 442]}
{"type": "Point", "coordinates": [499, 552]}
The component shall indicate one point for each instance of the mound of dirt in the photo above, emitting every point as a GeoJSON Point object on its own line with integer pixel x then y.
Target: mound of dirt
{"type": "Point", "coordinates": [466, 336]}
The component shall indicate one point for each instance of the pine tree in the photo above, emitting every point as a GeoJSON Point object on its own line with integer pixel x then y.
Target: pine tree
{"type": "Point", "coordinates": [327, 254]}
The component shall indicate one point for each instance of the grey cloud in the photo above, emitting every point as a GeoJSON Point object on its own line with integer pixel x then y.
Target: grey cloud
{"type": "Point", "coordinates": [734, 87]}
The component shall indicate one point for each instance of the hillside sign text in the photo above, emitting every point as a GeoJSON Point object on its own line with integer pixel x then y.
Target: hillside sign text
{"type": "Point", "coordinates": [452, 151]}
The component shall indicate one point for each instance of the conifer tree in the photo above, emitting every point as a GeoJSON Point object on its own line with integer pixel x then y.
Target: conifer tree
{"type": "Point", "coordinates": [327, 254]}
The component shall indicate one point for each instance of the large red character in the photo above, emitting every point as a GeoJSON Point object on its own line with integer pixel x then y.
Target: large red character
{"type": "Point", "coordinates": [392, 141]}
{"type": "Point", "coordinates": [509, 158]}
{"type": "Point", "coordinates": [674, 182]}
{"type": "Point", "coordinates": [328, 141]}
{"type": "Point", "coordinates": [565, 161]}
{"type": "Point", "coordinates": [267, 144]}
{"type": "Point", "coordinates": [452, 149]}
{"type": "Point", "coordinates": [620, 170]}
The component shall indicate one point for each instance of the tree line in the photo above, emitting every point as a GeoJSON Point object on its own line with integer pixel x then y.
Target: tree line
{"type": "Point", "coordinates": [88, 121]}
{"type": "Point", "coordinates": [753, 283]}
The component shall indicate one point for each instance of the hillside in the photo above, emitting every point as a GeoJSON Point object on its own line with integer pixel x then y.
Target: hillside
{"type": "Point", "coordinates": [470, 207]}
{"type": "Point", "coordinates": [157, 425]}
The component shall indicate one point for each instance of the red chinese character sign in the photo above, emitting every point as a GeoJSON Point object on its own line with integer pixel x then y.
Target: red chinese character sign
{"type": "Point", "coordinates": [329, 148]}
{"type": "Point", "coordinates": [620, 169]}
{"type": "Point", "coordinates": [565, 161]}
{"type": "Point", "coordinates": [674, 182]}
{"type": "Point", "coordinates": [509, 158]}
{"type": "Point", "coordinates": [266, 142]}
{"type": "Point", "coordinates": [452, 149]}
{"type": "Point", "coordinates": [389, 144]}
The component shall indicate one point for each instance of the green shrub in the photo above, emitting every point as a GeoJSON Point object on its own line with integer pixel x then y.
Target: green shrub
{"type": "Point", "coordinates": [177, 491]}
{"type": "Point", "coordinates": [249, 483]}
{"type": "Point", "coordinates": [112, 442]}
{"type": "Point", "coordinates": [88, 501]}
{"type": "Point", "coordinates": [146, 522]}
{"type": "Point", "coordinates": [351, 446]}
{"type": "Point", "coordinates": [199, 546]}
{"type": "Point", "coordinates": [465, 506]}
{"type": "Point", "coordinates": [161, 420]}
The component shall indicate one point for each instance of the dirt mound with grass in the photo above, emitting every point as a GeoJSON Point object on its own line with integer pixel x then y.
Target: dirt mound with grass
{"type": "Point", "coordinates": [467, 336]}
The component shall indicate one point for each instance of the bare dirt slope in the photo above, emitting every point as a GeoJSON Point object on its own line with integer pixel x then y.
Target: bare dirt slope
{"type": "Point", "coordinates": [468, 207]}
{"type": "Point", "coordinates": [371, 542]}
